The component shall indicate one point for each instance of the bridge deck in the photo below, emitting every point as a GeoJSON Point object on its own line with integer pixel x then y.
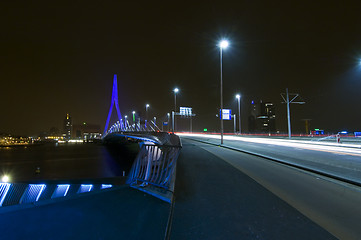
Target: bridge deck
{"type": "Point", "coordinates": [213, 201]}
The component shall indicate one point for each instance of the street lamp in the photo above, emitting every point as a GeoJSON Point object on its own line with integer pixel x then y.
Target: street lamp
{"type": "Point", "coordinates": [238, 96]}
{"type": "Point", "coordinates": [175, 90]}
{"type": "Point", "coordinates": [146, 108]}
{"type": "Point", "coordinates": [168, 115]}
{"type": "Point", "coordinates": [146, 115]}
{"type": "Point", "coordinates": [222, 45]}
{"type": "Point", "coordinates": [133, 116]}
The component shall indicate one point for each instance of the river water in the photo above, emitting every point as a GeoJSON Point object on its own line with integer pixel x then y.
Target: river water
{"type": "Point", "coordinates": [64, 162]}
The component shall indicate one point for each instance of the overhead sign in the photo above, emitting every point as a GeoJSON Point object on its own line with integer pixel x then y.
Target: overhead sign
{"type": "Point", "coordinates": [185, 111]}
{"type": "Point", "coordinates": [226, 113]}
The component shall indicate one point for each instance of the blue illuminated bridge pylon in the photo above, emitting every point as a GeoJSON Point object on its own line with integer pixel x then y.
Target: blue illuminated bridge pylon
{"type": "Point", "coordinates": [114, 101]}
{"type": "Point", "coordinates": [123, 125]}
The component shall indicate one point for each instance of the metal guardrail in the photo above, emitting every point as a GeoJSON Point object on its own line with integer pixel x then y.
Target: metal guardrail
{"type": "Point", "coordinates": [153, 170]}
{"type": "Point", "coordinates": [22, 193]}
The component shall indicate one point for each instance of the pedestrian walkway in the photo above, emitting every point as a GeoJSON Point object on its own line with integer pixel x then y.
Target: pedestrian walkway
{"type": "Point", "coordinates": [119, 213]}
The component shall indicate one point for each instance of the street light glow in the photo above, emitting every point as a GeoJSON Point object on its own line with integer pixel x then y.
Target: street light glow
{"type": "Point", "coordinates": [5, 179]}
{"type": "Point", "coordinates": [238, 96]}
{"type": "Point", "coordinates": [223, 44]}
{"type": "Point", "coordinates": [133, 112]}
{"type": "Point", "coordinates": [176, 90]}
{"type": "Point", "coordinates": [147, 106]}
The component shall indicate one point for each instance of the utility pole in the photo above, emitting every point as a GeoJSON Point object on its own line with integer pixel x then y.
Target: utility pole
{"type": "Point", "coordinates": [286, 99]}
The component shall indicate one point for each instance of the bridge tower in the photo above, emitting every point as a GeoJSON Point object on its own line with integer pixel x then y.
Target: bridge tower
{"type": "Point", "coordinates": [114, 101]}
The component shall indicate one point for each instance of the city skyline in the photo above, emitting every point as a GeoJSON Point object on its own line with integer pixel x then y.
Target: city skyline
{"type": "Point", "coordinates": [59, 59]}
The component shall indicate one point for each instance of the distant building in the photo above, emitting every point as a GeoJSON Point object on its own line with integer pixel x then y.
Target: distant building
{"type": "Point", "coordinates": [86, 131]}
{"type": "Point", "coordinates": [67, 127]}
{"type": "Point", "coordinates": [54, 132]}
{"type": "Point", "coordinates": [262, 118]}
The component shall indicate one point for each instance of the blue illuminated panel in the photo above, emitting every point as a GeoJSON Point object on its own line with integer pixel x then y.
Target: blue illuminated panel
{"type": "Point", "coordinates": [61, 190]}
{"type": "Point", "coordinates": [4, 188]}
{"type": "Point", "coordinates": [227, 114]}
{"type": "Point", "coordinates": [32, 193]}
{"type": "Point", "coordinates": [106, 186]}
{"type": "Point", "coordinates": [85, 188]}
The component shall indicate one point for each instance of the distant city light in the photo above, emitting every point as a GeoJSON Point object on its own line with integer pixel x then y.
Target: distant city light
{"type": "Point", "coordinates": [76, 141]}
{"type": "Point", "coordinates": [223, 44]}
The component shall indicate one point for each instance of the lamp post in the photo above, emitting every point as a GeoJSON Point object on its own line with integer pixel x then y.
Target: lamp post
{"type": "Point", "coordinates": [126, 121]}
{"type": "Point", "coordinates": [238, 96]}
{"type": "Point", "coordinates": [146, 115]}
{"type": "Point", "coordinates": [222, 45]}
{"type": "Point", "coordinates": [133, 116]}
{"type": "Point", "coordinates": [168, 115]}
{"type": "Point", "coordinates": [175, 90]}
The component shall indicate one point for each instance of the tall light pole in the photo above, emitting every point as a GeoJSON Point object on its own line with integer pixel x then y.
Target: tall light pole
{"type": "Point", "coordinates": [175, 90]}
{"type": "Point", "coordinates": [146, 111]}
{"type": "Point", "coordinates": [222, 45]}
{"type": "Point", "coordinates": [133, 116]}
{"type": "Point", "coordinates": [146, 115]}
{"type": "Point", "coordinates": [238, 96]}
{"type": "Point", "coordinates": [168, 115]}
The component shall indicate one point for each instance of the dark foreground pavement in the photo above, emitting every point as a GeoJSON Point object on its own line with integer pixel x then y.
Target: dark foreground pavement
{"type": "Point", "coordinates": [213, 201]}
{"type": "Point", "coordinates": [123, 213]}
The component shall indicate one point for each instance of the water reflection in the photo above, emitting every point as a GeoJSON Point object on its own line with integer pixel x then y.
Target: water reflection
{"type": "Point", "coordinates": [66, 161]}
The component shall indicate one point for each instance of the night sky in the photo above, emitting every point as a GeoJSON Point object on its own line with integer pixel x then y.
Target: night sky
{"type": "Point", "coordinates": [57, 59]}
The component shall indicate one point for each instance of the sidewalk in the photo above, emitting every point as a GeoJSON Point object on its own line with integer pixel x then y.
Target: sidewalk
{"type": "Point", "coordinates": [121, 213]}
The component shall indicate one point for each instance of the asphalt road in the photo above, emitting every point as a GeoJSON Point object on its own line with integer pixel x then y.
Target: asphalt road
{"type": "Point", "coordinates": [330, 158]}
{"type": "Point", "coordinates": [218, 200]}
{"type": "Point", "coordinates": [333, 205]}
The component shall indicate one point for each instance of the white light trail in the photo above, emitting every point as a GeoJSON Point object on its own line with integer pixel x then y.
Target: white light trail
{"type": "Point", "coordinates": [343, 149]}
